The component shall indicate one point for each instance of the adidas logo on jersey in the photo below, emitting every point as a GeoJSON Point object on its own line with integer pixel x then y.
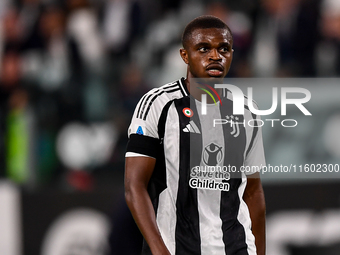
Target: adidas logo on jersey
{"type": "Point", "coordinates": [192, 128]}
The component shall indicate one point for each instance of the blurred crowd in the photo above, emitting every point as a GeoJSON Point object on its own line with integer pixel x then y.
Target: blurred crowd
{"type": "Point", "coordinates": [72, 71]}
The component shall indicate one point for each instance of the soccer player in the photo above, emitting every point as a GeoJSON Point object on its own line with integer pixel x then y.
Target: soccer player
{"type": "Point", "coordinates": [180, 207]}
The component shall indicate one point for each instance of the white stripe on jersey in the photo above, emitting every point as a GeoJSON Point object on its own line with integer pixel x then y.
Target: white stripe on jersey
{"type": "Point", "coordinates": [151, 96]}
{"type": "Point", "coordinates": [243, 217]}
{"type": "Point", "coordinates": [209, 201]}
{"type": "Point", "coordinates": [166, 215]}
{"type": "Point", "coordinates": [248, 131]}
{"type": "Point", "coordinates": [249, 136]}
{"type": "Point", "coordinates": [182, 87]}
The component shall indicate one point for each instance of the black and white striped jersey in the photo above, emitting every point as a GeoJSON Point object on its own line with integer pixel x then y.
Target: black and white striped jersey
{"type": "Point", "coordinates": [198, 211]}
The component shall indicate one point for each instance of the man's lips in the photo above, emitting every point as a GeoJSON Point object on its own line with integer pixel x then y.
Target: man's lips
{"type": "Point", "coordinates": [215, 70]}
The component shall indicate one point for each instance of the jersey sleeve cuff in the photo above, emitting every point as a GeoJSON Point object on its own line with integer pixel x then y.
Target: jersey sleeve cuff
{"type": "Point", "coordinates": [134, 154]}
{"type": "Point", "coordinates": [145, 145]}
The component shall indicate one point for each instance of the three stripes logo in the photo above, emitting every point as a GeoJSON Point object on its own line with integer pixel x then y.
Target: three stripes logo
{"type": "Point", "coordinates": [149, 98]}
{"type": "Point", "coordinates": [191, 127]}
{"type": "Point", "coordinates": [236, 129]}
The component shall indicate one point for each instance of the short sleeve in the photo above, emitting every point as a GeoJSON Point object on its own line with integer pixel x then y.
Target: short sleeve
{"type": "Point", "coordinates": [145, 117]}
{"type": "Point", "coordinates": [255, 158]}
{"type": "Point", "coordinates": [143, 129]}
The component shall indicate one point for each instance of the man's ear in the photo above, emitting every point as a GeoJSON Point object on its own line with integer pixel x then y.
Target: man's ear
{"type": "Point", "coordinates": [184, 55]}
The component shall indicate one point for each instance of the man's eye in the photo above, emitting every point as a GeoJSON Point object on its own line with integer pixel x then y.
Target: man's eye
{"type": "Point", "coordinates": [224, 49]}
{"type": "Point", "coordinates": [203, 49]}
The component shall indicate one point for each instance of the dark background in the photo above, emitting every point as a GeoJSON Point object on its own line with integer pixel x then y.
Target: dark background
{"type": "Point", "coordinates": [72, 71]}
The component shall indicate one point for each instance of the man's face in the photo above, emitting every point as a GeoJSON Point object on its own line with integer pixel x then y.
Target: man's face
{"type": "Point", "coordinates": [208, 53]}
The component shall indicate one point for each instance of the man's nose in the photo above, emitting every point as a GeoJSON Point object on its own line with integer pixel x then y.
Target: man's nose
{"type": "Point", "coordinates": [215, 55]}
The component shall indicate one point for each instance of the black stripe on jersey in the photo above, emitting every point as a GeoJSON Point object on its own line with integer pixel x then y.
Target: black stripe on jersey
{"type": "Point", "coordinates": [154, 98]}
{"type": "Point", "coordinates": [147, 96]}
{"type": "Point", "coordinates": [170, 86]}
{"type": "Point", "coordinates": [140, 106]}
{"type": "Point", "coordinates": [144, 104]}
{"type": "Point", "coordinates": [150, 103]}
{"type": "Point", "coordinates": [234, 237]}
{"type": "Point", "coordinates": [183, 87]}
{"type": "Point", "coordinates": [255, 130]}
{"type": "Point", "coordinates": [187, 232]}
{"type": "Point", "coordinates": [246, 106]}
{"type": "Point", "coordinates": [145, 145]}
{"type": "Point", "coordinates": [154, 95]}
{"type": "Point", "coordinates": [162, 121]}
{"type": "Point", "coordinates": [172, 90]}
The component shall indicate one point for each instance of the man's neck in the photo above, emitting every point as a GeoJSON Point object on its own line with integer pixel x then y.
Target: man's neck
{"type": "Point", "coordinates": [197, 87]}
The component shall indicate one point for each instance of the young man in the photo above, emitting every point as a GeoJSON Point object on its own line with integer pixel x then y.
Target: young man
{"type": "Point", "coordinates": [179, 208]}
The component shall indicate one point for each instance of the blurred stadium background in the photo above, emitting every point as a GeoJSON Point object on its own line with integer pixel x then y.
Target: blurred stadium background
{"type": "Point", "coordinates": [71, 73]}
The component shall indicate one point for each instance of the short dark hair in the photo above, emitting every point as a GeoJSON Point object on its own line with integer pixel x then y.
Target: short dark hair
{"type": "Point", "coordinates": [202, 22]}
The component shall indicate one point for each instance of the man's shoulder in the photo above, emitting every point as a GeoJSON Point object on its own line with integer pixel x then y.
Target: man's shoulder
{"type": "Point", "coordinates": [165, 93]}
{"type": "Point", "coordinates": [157, 98]}
{"type": "Point", "coordinates": [172, 89]}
